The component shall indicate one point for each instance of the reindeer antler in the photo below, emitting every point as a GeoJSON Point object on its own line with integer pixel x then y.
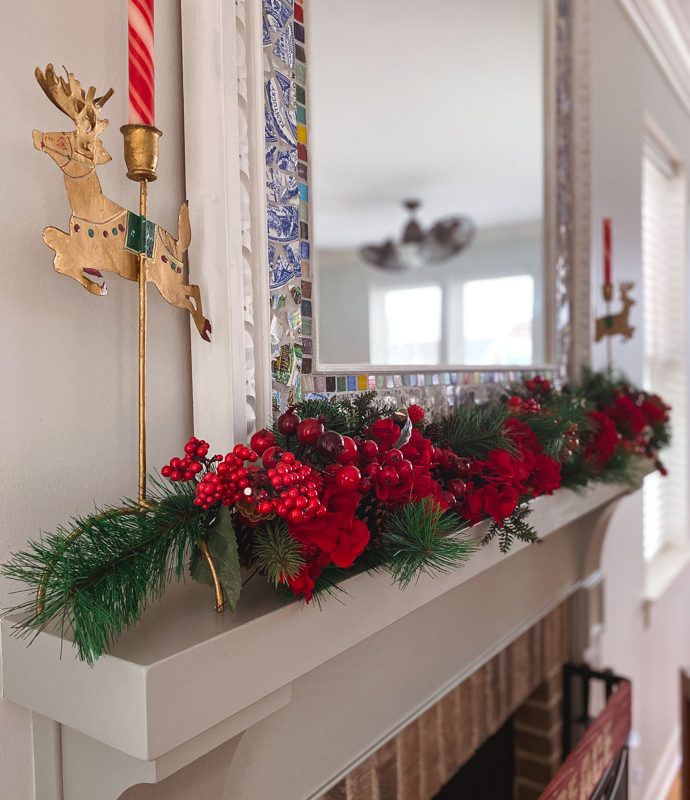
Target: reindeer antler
{"type": "Point", "coordinates": [625, 287]}
{"type": "Point", "coordinates": [67, 95]}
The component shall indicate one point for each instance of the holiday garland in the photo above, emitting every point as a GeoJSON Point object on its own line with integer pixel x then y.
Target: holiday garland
{"type": "Point", "coordinates": [339, 486]}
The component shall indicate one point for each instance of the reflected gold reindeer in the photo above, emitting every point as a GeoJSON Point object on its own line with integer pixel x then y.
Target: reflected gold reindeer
{"type": "Point", "coordinates": [612, 324]}
{"type": "Point", "coordinates": [103, 236]}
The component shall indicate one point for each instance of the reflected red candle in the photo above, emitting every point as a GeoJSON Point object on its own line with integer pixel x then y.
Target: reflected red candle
{"type": "Point", "coordinates": [607, 250]}
{"type": "Point", "coordinates": [141, 69]}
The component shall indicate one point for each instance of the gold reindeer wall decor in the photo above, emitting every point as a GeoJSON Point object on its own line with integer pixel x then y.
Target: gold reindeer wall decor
{"type": "Point", "coordinates": [103, 236]}
{"type": "Point", "coordinates": [612, 324]}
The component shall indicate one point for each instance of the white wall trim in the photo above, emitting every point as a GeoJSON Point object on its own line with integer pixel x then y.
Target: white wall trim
{"type": "Point", "coordinates": [666, 770]}
{"type": "Point", "coordinates": [666, 32]}
{"type": "Point", "coordinates": [222, 78]}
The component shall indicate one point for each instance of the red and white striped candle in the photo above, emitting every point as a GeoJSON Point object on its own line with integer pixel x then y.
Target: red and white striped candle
{"type": "Point", "coordinates": [141, 67]}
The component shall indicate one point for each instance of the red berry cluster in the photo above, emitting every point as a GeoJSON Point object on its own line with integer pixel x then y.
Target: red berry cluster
{"type": "Point", "coordinates": [517, 405]}
{"type": "Point", "coordinates": [229, 483]}
{"type": "Point", "coordinates": [384, 469]}
{"type": "Point", "coordinates": [538, 385]}
{"type": "Point", "coordinates": [297, 487]}
{"type": "Point", "coordinates": [187, 468]}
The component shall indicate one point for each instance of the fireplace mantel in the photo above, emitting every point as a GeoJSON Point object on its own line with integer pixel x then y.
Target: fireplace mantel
{"type": "Point", "coordinates": [186, 680]}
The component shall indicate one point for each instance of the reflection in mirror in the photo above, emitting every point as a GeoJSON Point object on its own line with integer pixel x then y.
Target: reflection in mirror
{"type": "Point", "coordinates": [426, 124]}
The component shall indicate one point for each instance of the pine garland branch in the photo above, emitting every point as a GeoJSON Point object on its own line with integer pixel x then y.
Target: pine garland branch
{"type": "Point", "coordinates": [562, 414]}
{"type": "Point", "coordinates": [513, 528]}
{"type": "Point", "coordinates": [474, 431]}
{"type": "Point", "coordinates": [422, 538]}
{"type": "Point", "coordinates": [97, 575]}
{"type": "Point", "coordinates": [278, 555]}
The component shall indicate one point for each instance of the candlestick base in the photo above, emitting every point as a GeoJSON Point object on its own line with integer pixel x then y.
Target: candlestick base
{"type": "Point", "coordinates": [141, 151]}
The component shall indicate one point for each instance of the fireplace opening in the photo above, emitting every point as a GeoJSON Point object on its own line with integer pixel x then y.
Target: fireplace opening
{"type": "Point", "coordinates": [489, 773]}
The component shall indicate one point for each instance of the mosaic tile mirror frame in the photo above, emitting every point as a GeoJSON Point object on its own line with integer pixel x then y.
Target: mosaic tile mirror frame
{"type": "Point", "coordinates": [296, 371]}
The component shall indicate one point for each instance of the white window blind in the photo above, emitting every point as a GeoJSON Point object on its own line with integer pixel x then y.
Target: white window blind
{"type": "Point", "coordinates": [406, 325]}
{"type": "Point", "coordinates": [664, 236]}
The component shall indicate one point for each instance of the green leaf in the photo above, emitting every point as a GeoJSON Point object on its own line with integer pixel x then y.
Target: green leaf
{"type": "Point", "coordinates": [222, 546]}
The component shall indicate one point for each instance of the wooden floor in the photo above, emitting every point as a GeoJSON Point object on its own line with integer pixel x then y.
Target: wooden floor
{"type": "Point", "coordinates": [674, 794]}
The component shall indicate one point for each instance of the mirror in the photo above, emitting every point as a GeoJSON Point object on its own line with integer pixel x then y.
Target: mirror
{"type": "Point", "coordinates": [427, 182]}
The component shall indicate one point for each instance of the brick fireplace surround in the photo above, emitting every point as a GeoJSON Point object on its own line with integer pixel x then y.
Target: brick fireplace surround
{"type": "Point", "coordinates": [523, 679]}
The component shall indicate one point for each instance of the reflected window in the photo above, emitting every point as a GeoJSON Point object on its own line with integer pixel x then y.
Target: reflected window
{"type": "Point", "coordinates": [497, 319]}
{"type": "Point", "coordinates": [406, 325]}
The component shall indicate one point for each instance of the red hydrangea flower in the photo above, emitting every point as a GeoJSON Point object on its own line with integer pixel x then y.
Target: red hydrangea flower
{"type": "Point", "coordinates": [338, 533]}
{"type": "Point", "coordinates": [605, 441]}
{"type": "Point", "coordinates": [493, 500]}
{"type": "Point", "coordinates": [419, 450]}
{"type": "Point", "coordinates": [656, 410]}
{"type": "Point", "coordinates": [546, 475]}
{"type": "Point", "coordinates": [522, 435]}
{"type": "Point", "coordinates": [627, 414]}
{"type": "Point", "coordinates": [385, 432]}
{"type": "Point", "coordinates": [303, 583]}
{"type": "Point", "coordinates": [415, 413]}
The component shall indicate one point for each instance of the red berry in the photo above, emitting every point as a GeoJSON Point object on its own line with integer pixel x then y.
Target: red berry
{"type": "Point", "coordinates": [348, 477]}
{"type": "Point", "coordinates": [175, 463]}
{"type": "Point", "coordinates": [295, 515]}
{"type": "Point", "coordinates": [393, 457]}
{"type": "Point", "coordinates": [388, 476]}
{"type": "Point", "coordinates": [287, 422]}
{"type": "Point", "coordinates": [370, 448]}
{"type": "Point", "coordinates": [330, 444]}
{"type": "Point", "coordinates": [309, 430]}
{"type": "Point", "coordinates": [270, 457]}
{"type": "Point", "coordinates": [372, 470]}
{"type": "Point", "coordinates": [190, 448]}
{"type": "Point", "coordinates": [405, 468]}
{"type": "Point", "coordinates": [349, 451]}
{"type": "Point", "coordinates": [165, 472]}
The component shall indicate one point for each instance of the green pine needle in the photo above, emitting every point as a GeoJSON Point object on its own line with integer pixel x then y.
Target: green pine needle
{"type": "Point", "coordinates": [550, 426]}
{"type": "Point", "coordinates": [102, 571]}
{"type": "Point", "coordinates": [474, 431]}
{"type": "Point", "coordinates": [278, 555]}
{"type": "Point", "coordinates": [514, 527]}
{"type": "Point", "coordinates": [422, 538]}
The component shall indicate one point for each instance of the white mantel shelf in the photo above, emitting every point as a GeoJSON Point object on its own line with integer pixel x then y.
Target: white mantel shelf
{"type": "Point", "coordinates": [186, 679]}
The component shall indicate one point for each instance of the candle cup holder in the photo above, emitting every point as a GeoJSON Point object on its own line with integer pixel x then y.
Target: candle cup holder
{"type": "Point", "coordinates": [141, 151]}
{"type": "Point", "coordinates": [607, 291]}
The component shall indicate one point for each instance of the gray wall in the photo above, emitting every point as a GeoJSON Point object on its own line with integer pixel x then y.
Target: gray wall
{"type": "Point", "coordinates": [69, 359]}
{"type": "Point", "coordinates": [627, 84]}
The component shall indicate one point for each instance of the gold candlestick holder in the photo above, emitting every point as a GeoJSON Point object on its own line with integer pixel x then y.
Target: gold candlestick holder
{"type": "Point", "coordinates": [141, 157]}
